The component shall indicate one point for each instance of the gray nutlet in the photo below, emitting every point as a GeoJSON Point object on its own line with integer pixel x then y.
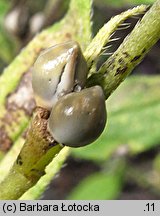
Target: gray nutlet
{"type": "Point", "coordinates": [57, 71]}
{"type": "Point", "coordinates": [78, 118]}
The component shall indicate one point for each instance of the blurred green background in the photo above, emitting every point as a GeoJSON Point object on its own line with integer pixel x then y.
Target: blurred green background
{"type": "Point", "coordinates": [124, 163]}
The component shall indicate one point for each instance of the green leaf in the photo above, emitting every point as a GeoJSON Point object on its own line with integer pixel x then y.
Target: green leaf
{"type": "Point", "coordinates": [97, 186]}
{"type": "Point", "coordinates": [101, 185]}
{"type": "Point", "coordinates": [133, 120]}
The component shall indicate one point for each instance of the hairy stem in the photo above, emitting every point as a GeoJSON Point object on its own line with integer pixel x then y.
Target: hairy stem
{"type": "Point", "coordinates": [130, 53]}
{"type": "Point", "coordinates": [37, 152]}
{"type": "Point", "coordinates": [104, 35]}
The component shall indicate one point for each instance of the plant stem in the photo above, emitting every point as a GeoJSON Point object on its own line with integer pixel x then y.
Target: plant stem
{"type": "Point", "coordinates": [51, 170]}
{"type": "Point", "coordinates": [14, 186]}
{"type": "Point", "coordinates": [37, 152]}
{"type": "Point", "coordinates": [130, 53]}
{"type": "Point", "coordinates": [104, 35]}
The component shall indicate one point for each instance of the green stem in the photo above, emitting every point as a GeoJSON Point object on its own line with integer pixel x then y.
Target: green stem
{"type": "Point", "coordinates": [130, 53]}
{"type": "Point", "coordinates": [37, 152]}
{"type": "Point", "coordinates": [94, 49]}
{"type": "Point", "coordinates": [37, 191]}
{"type": "Point", "coordinates": [14, 186]}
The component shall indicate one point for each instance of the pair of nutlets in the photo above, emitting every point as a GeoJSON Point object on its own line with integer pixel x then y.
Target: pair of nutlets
{"type": "Point", "coordinates": [78, 115]}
